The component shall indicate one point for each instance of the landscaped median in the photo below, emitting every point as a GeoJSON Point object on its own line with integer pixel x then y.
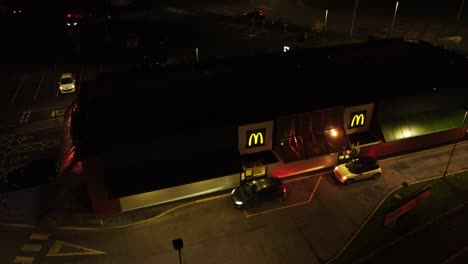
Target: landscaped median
{"type": "Point", "coordinates": [425, 201]}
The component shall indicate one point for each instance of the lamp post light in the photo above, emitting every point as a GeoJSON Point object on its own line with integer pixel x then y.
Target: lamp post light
{"type": "Point", "coordinates": [393, 21]}
{"type": "Point", "coordinates": [354, 17]}
{"type": "Point", "coordinates": [454, 145]}
{"type": "Point", "coordinates": [178, 244]}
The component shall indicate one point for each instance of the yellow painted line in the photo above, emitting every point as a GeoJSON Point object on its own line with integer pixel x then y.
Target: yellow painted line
{"type": "Point", "coordinates": [58, 245]}
{"type": "Point", "coordinates": [23, 260]}
{"type": "Point", "coordinates": [32, 247]}
{"type": "Point", "coordinates": [39, 236]}
{"type": "Point", "coordinates": [16, 225]}
{"type": "Point", "coordinates": [289, 206]}
{"type": "Point", "coordinates": [299, 179]}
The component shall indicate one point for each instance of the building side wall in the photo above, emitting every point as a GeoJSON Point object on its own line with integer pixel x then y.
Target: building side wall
{"type": "Point", "coordinates": [412, 144]}
{"type": "Point", "coordinates": [302, 166]}
{"type": "Point", "coordinates": [179, 192]}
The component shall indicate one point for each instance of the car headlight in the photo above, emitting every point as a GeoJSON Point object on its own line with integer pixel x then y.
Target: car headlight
{"type": "Point", "coordinates": [344, 178]}
{"type": "Point", "coordinates": [233, 190]}
{"type": "Point", "coordinates": [61, 87]}
{"type": "Point", "coordinates": [238, 202]}
{"type": "Point", "coordinates": [336, 168]}
{"type": "Point", "coordinates": [73, 86]}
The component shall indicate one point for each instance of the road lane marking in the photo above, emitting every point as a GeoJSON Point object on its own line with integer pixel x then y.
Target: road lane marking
{"type": "Point", "coordinates": [23, 260]}
{"type": "Point", "coordinates": [39, 86]}
{"type": "Point", "coordinates": [39, 236]}
{"type": "Point", "coordinates": [58, 107]}
{"type": "Point", "coordinates": [58, 245]}
{"type": "Point", "coordinates": [31, 247]}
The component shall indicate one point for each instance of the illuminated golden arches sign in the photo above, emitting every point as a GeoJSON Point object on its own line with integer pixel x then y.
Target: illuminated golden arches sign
{"type": "Point", "coordinates": [255, 138]}
{"type": "Point", "coordinates": [357, 119]}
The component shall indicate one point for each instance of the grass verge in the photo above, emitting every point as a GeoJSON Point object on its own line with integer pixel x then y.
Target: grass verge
{"type": "Point", "coordinates": [447, 193]}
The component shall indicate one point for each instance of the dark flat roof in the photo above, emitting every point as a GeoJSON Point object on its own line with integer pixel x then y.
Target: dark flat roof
{"type": "Point", "coordinates": [243, 90]}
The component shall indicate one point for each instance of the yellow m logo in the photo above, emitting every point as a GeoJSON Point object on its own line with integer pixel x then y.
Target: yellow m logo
{"type": "Point", "coordinates": [358, 120]}
{"type": "Point", "coordinates": [257, 139]}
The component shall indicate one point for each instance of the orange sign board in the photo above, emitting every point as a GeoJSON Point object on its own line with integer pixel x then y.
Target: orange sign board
{"type": "Point", "coordinates": [407, 206]}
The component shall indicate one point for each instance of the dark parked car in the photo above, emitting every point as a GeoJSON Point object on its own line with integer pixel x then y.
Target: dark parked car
{"type": "Point", "coordinates": [34, 173]}
{"type": "Point", "coordinates": [267, 188]}
{"type": "Point", "coordinates": [257, 15]}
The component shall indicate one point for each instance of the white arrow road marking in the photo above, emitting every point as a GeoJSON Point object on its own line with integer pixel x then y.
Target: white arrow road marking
{"type": "Point", "coordinates": [57, 246]}
{"type": "Point", "coordinates": [55, 113]}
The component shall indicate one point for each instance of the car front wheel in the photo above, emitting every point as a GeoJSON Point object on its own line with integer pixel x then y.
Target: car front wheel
{"type": "Point", "coordinates": [348, 182]}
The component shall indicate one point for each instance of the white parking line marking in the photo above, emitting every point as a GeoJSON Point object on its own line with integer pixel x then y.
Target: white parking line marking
{"type": "Point", "coordinates": [81, 73]}
{"type": "Point", "coordinates": [32, 247]}
{"type": "Point", "coordinates": [17, 90]}
{"type": "Point", "coordinates": [23, 260]}
{"type": "Point", "coordinates": [39, 86]}
{"type": "Point", "coordinates": [39, 236]}
{"type": "Point", "coordinates": [55, 250]}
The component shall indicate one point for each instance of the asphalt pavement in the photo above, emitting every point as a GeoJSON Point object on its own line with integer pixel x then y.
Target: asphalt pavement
{"type": "Point", "coordinates": [337, 211]}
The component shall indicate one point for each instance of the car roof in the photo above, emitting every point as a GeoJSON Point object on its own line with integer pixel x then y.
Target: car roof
{"type": "Point", "coordinates": [67, 75]}
{"type": "Point", "coordinates": [267, 181]}
{"type": "Point", "coordinates": [365, 160]}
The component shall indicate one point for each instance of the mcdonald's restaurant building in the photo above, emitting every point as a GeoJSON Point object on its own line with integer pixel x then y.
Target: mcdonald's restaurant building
{"type": "Point", "coordinates": [219, 159]}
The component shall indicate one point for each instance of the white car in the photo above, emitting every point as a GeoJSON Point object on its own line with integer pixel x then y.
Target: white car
{"type": "Point", "coordinates": [359, 168]}
{"type": "Point", "coordinates": [67, 83]}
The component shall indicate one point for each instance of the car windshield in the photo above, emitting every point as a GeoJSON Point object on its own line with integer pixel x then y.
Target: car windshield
{"type": "Point", "coordinates": [66, 80]}
{"type": "Point", "coordinates": [354, 166]}
{"type": "Point", "coordinates": [249, 189]}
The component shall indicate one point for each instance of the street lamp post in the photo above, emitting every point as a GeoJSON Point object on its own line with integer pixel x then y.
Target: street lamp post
{"type": "Point", "coordinates": [460, 10]}
{"type": "Point", "coordinates": [393, 21]}
{"type": "Point", "coordinates": [178, 244]}
{"type": "Point", "coordinates": [354, 17]}
{"type": "Point", "coordinates": [325, 23]}
{"type": "Point", "coordinates": [454, 145]}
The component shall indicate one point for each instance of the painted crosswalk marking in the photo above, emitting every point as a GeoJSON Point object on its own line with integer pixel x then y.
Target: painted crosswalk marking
{"type": "Point", "coordinates": [31, 247]}
{"type": "Point", "coordinates": [69, 249]}
{"type": "Point", "coordinates": [25, 116]}
{"type": "Point", "coordinates": [23, 260]}
{"type": "Point", "coordinates": [39, 236]}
